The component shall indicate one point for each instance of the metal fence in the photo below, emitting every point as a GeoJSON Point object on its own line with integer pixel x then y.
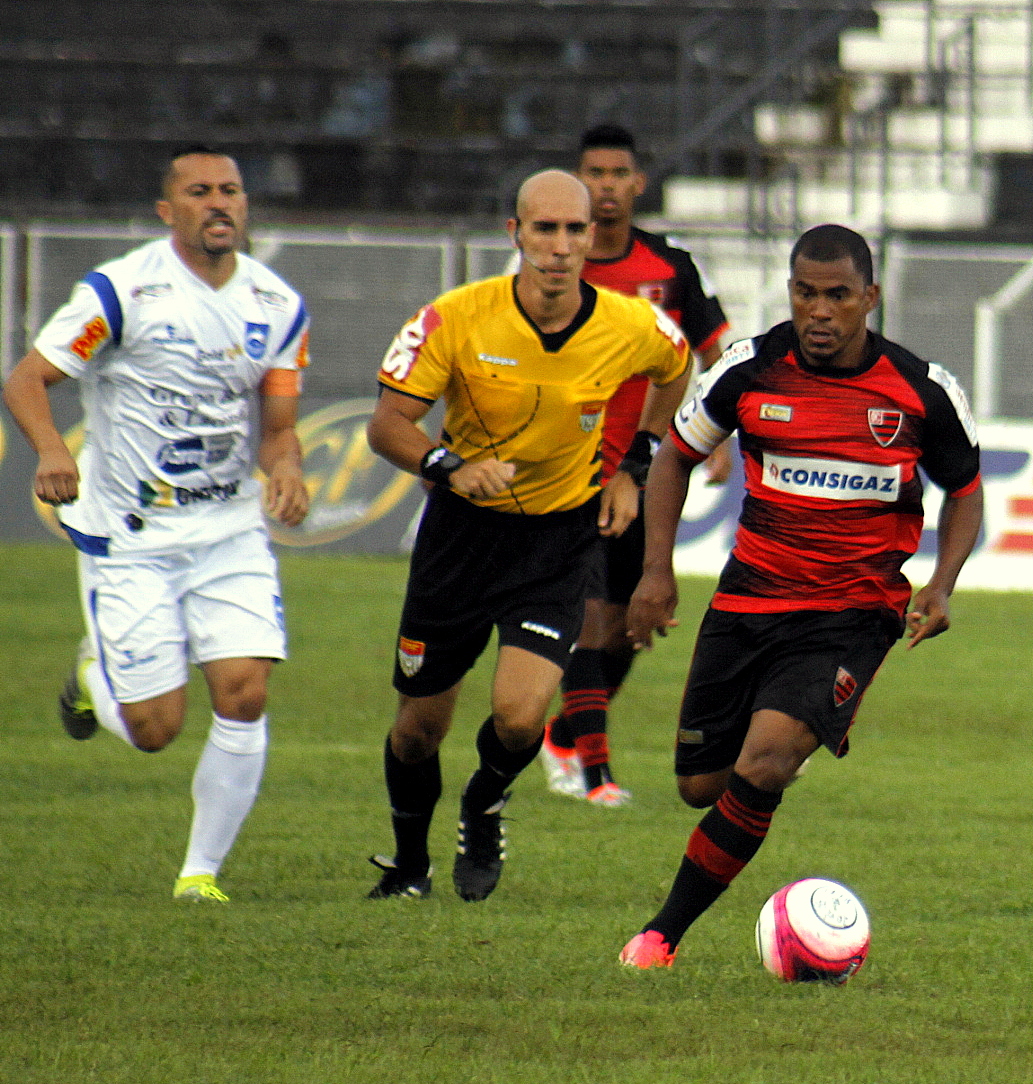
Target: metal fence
{"type": "Point", "coordinates": [963, 306]}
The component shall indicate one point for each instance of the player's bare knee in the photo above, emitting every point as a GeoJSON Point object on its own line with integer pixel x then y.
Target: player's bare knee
{"type": "Point", "coordinates": [699, 792]}
{"type": "Point", "coordinates": [773, 771]}
{"type": "Point", "coordinates": [150, 735]}
{"type": "Point", "coordinates": [518, 728]}
{"type": "Point", "coordinates": [243, 699]}
{"type": "Point", "coordinates": [416, 736]}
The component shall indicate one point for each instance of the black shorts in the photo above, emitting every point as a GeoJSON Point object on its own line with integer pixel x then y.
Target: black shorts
{"type": "Point", "coordinates": [474, 569]}
{"type": "Point", "coordinates": [618, 564]}
{"type": "Point", "coordinates": [812, 665]}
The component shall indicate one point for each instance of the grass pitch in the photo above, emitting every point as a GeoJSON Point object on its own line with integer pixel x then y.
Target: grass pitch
{"type": "Point", "coordinates": [301, 980]}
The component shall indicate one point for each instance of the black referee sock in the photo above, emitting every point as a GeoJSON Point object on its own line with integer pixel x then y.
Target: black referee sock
{"type": "Point", "coordinates": [498, 768]}
{"type": "Point", "coordinates": [413, 791]}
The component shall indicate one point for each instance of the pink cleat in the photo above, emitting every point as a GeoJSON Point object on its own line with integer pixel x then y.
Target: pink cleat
{"type": "Point", "coordinates": [609, 794]}
{"type": "Point", "coordinates": [648, 949]}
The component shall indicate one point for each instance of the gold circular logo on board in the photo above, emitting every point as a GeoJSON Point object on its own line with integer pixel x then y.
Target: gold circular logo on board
{"type": "Point", "coordinates": [349, 486]}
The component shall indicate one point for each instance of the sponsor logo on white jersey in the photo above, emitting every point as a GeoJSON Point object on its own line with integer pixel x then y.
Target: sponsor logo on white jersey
{"type": "Point", "coordinates": [151, 292]}
{"type": "Point", "coordinates": [271, 298]}
{"type": "Point", "coordinates": [832, 479]}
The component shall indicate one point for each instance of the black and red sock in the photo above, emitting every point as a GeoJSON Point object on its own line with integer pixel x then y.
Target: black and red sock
{"type": "Point", "coordinates": [727, 837]}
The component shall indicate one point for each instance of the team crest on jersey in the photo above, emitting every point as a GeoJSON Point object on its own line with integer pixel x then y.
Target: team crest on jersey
{"type": "Point", "coordinates": [656, 292]}
{"type": "Point", "coordinates": [885, 425]}
{"type": "Point", "coordinates": [846, 685]}
{"type": "Point", "coordinates": [590, 415]}
{"type": "Point", "coordinates": [410, 655]}
{"type": "Point", "coordinates": [255, 338]}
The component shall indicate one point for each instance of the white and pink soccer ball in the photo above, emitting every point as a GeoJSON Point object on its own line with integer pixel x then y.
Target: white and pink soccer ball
{"type": "Point", "coordinates": [813, 930]}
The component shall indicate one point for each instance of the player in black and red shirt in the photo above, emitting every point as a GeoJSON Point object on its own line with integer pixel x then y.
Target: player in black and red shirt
{"type": "Point", "coordinates": [631, 261]}
{"type": "Point", "coordinates": [834, 422]}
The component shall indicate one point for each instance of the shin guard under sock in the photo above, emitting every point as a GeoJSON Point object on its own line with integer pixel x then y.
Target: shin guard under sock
{"type": "Point", "coordinates": [727, 837]}
{"type": "Point", "coordinates": [498, 768]}
{"type": "Point", "coordinates": [413, 791]}
{"type": "Point", "coordinates": [585, 701]}
{"type": "Point", "coordinates": [615, 670]}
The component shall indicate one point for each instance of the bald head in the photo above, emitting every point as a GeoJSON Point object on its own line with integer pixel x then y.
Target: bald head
{"type": "Point", "coordinates": [553, 231]}
{"type": "Point", "coordinates": [551, 186]}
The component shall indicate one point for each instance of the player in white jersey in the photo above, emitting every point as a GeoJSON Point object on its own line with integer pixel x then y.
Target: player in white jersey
{"type": "Point", "coordinates": [170, 344]}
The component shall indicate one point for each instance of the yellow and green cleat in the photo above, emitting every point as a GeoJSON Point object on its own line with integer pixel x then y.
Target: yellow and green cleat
{"type": "Point", "coordinates": [201, 888]}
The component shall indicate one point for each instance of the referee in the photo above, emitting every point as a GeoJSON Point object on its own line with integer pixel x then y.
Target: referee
{"type": "Point", "coordinates": [525, 365]}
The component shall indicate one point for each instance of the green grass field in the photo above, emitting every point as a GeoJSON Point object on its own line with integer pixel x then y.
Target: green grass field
{"type": "Point", "coordinates": [301, 980]}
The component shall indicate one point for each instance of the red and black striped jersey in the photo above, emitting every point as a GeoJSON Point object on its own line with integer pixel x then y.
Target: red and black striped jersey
{"type": "Point", "coordinates": [833, 504]}
{"type": "Point", "coordinates": [656, 269]}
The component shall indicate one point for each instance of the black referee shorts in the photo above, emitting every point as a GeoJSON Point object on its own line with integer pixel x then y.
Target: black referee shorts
{"type": "Point", "coordinates": [811, 664]}
{"type": "Point", "coordinates": [474, 569]}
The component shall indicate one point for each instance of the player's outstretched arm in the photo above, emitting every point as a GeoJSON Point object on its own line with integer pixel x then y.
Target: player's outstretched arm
{"type": "Point", "coordinates": [958, 529]}
{"type": "Point", "coordinates": [25, 393]}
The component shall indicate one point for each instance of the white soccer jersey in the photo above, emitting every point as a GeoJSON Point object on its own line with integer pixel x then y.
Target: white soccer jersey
{"type": "Point", "coordinates": [168, 367]}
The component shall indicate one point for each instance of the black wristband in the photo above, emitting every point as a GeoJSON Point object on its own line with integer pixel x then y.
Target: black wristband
{"type": "Point", "coordinates": [639, 455]}
{"type": "Point", "coordinates": [439, 464]}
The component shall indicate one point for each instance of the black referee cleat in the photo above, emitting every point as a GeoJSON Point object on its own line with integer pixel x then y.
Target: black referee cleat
{"type": "Point", "coordinates": [480, 852]}
{"type": "Point", "coordinates": [397, 884]}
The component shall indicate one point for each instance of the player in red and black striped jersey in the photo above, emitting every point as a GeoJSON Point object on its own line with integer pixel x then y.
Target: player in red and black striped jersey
{"type": "Point", "coordinates": [833, 422]}
{"type": "Point", "coordinates": [630, 261]}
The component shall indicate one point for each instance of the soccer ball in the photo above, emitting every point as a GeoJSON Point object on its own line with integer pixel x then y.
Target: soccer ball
{"type": "Point", "coordinates": [813, 931]}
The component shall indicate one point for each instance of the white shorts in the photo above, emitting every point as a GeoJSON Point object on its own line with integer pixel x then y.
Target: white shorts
{"type": "Point", "coordinates": [150, 618]}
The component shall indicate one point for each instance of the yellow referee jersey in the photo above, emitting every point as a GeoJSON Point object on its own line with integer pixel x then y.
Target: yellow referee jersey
{"type": "Point", "coordinates": [522, 397]}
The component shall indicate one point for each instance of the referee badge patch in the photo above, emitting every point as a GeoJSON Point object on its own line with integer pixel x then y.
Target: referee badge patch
{"type": "Point", "coordinates": [590, 415]}
{"type": "Point", "coordinates": [846, 684]}
{"type": "Point", "coordinates": [410, 655]}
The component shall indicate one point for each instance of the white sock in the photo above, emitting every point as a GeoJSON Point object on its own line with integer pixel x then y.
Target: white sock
{"type": "Point", "coordinates": [225, 787]}
{"type": "Point", "coordinates": [104, 705]}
